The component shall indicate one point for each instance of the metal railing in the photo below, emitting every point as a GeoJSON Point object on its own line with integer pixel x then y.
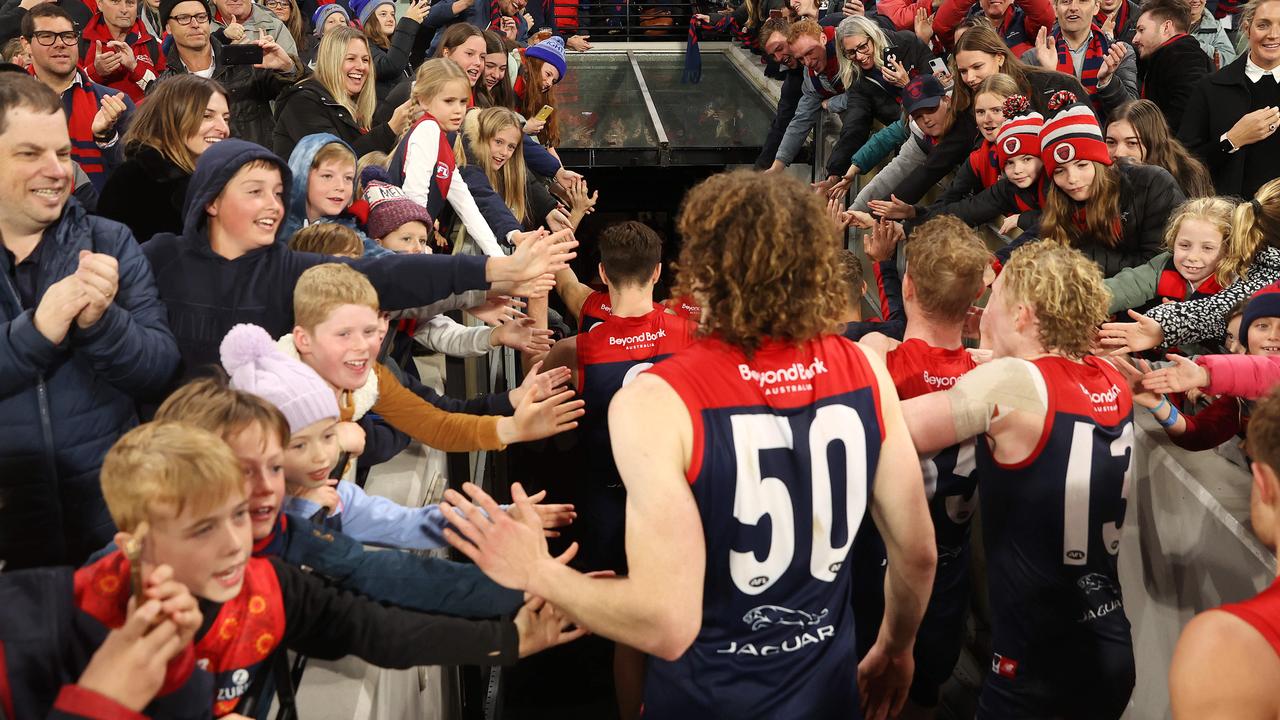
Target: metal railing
{"type": "Point", "coordinates": [641, 20]}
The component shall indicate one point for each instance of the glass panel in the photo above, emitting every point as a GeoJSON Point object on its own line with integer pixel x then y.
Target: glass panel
{"type": "Point", "coordinates": [723, 110]}
{"type": "Point", "coordinates": [601, 105]}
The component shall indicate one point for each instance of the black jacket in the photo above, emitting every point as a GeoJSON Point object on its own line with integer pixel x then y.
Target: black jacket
{"type": "Point", "coordinates": [145, 193]}
{"type": "Point", "coordinates": [792, 89]}
{"type": "Point", "coordinates": [1148, 195]}
{"type": "Point", "coordinates": [956, 145]}
{"type": "Point", "coordinates": [206, 294]}
{"type": "Point", "coordinates": [12, 13]}
{"type": "Point", "coordinates": [1167, 76]}
{"type": "Point", "coordinates": [1217, 102]}
{"type": "Point", "coordinates": [251, 91]}
{"type": "Point", "coordinates": [392, 65]}
{"type": "Point", "coordinates": [869, 100]}
{"type": "Point", "coordinates": [308, 108]}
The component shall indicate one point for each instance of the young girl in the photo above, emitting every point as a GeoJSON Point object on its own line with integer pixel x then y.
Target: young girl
{"type": "Point", "coordinates": [542, 67]}
{"type": "Point", "coordinates": [425, 163]}
{"type": "Point", "coordinates": [1138, 130]}
{"type": "Point", "coordinates": [1114, 213]}
{"type": "Point", "coordinates": [390, 42]}
{"type": "Point", "coordinates": [1202, 257]}
{"type": "Point", "coordinates": [494, 142]}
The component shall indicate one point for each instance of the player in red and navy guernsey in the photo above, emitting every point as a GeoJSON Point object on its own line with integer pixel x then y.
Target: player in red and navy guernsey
{"type": "Point", "coordinates": [750, 460]}
{"type": "Point", "coordinates": [946, 264]}
{"type": "Point", "coordinates": [1227, 663]}
{"type": "Point", "coordinates": [1053, 473]}
{"type": "Point", "coordinates": [627, 339]}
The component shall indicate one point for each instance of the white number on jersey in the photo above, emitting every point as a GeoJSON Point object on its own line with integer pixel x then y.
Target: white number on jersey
{"type": "Point", "coordinates": [1075, 518]}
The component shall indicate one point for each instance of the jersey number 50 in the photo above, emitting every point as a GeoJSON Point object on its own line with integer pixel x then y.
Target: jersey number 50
{"type": "Point", "coordinates": [756, 496]}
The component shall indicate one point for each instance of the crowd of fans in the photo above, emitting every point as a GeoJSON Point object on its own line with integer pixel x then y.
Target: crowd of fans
{"type": "Point", "coordinates": [226, 226]}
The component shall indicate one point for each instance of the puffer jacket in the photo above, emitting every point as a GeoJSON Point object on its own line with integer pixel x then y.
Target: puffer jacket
{"type": "Point", "coordinates": [63, 406]}
{"type": "Point", "coordinates": [308, 108]}
{"type": "Point", "coordinates": [251, 92]}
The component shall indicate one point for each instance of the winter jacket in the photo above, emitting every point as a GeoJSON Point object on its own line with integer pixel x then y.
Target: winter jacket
{"type": "Point", "coordinates": [206, 294]}
{"type": "Point", "coordinates": [1206, 319]}
{"type": "Point", "coordinates": [1018, 28]}
{"type": "Point", "coordinates": [146, 51]}
{"type": "Point", "coordinates": [81, 102]}
{"type": "Point", "coordinates": [872, 99]}
{"type": "Point", "coordinates": [792, 89]}
{"type": "Point", "coordinates": [955, 146]}
{"type": "Point", "coordinates": [64, 405]}
{"type": "Point", "coordinates": [1126, 23]}
{"type": "Point", "coordinates": [913, 155]}
{"type": "Point", "coordinates": [1213, 39]}
{"type": "Point", "coordinates": [880, 146]}
{"type": "Point", "coordinates": [1217, 102]}
{"type": "Point", "coordinates": [1167, 76]}
{"type": "Point", "coordinates": [145, 193]}
{"type": "Point", "coordinates": [1120, 88]}
{"type": "Point", "coordinates": [1243, 376]}
{"type": "Point", "coordinates": [261, 19]}
{"type": "Point", "coordinates": [295, 203]}
{"type": "Point", "coordinates": [46, 642]}
{"type": "Point", "coordinates": [308, 108]}
{"type": "Point", "coordinates": [1135, 286]}
{"type": "Point", "coordinates": [391, 65]}
{"type": "Point", "coordinates": [1002, 198]}
{"type": "Point", "coordinates": [1148, 194]}
{"type": "Point", "coordinates": [250, 92]}
{"type": "Point", "coordinates": [902, 13]}
{"type": "Point", "coordinates": [13, 12]}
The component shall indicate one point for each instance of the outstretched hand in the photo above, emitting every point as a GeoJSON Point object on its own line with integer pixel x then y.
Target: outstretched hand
{"type": "Point", "coordinates": [508, 548]}
{"type": "Point", "coordinates": [551, 515]}
{"type": "Point", "coordinates": [1183, 375]}
{"type": "Point", "coordinates": [1125, 338]}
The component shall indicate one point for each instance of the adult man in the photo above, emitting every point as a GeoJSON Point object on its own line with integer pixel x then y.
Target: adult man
{"type": "Point", "coordinates": [95, 115]}
{"type": "Point", "coordinates": [117, 51]}
{"type": "Point", "coordinates": [236, 18]}
{"type": "Point", "coordinates": [945, 267]}
{"type": "Point", "coordinates": [1016, 21]}
{"type": "Point", "coordinates": [84, 337]}
{"type": "Point", "coordinates": [1075, 46]}
{"type": "Point", "coordinates": [250, 89]}
{"type": "Point", "coordinates": [766, 422]}
{"type": "Point", "coordinates": [1170, 62]}
{"type": "Point", "coordinates": [1232, 115]}
{"type": "Point", "coordinates": [814, 47]}
{"type": "Point", "coordinates": [1117, 19]}
{"type": "Point", "coordinates": [773, 38]}
{"type": "Point", "coordinates": [1053, 469]}
{"type": "Point", "coordinates": [1212, 36]}
{"type": "Point", "coordinates": [1237, 646]}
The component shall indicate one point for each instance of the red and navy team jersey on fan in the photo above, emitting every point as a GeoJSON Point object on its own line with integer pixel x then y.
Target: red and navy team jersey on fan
{"type": "Point", "coordinates": [918, 368]}
{"type": "Point", "coordinates": [1051, 530]}
{"type": "Point", "coordinates": [785, 446]}
{"type": "Point", "coordinates": [610, 355]}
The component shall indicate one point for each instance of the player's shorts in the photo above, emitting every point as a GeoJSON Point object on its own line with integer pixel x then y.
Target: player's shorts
{"type": "Point", "coordinates": [601, 528]}
{"type": "Point", "coordinates": [1090, 679]}
{"type": "Point", "coordinates": [941, 633]}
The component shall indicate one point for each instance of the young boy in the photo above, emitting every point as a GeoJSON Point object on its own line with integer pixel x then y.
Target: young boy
{"type": "Point", "coordinates": [257, 432]}
{"type": "Point", "coordinates": [230, 264]}
{"type": "Point", "coordinates": [253, 605]}
{"type": "Point", "coordinates": [257, 366]}
{"type": "Point", "coordinates": [324, 169]}
{"type": "Point", "coordinates": [338, 334]}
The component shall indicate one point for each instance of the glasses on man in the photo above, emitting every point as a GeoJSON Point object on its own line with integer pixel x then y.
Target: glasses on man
{"type": "Point", "coordinates": [47, 37]}
{"type": "Point", "coordinates": [188, 18]}
{"type": "Point", "coordinates": [863, 48]}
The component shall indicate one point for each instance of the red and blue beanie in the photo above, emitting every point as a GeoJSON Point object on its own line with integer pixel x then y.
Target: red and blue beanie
{"type": "Point", "coordinates": [1020, 133]}
{"type": "Point", "coordinates": [1071, 134]}
{"type": "Point", "coordinates": [1264, 303]}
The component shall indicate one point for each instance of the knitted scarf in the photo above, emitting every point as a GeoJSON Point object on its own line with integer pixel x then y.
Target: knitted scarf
{"type": "Point", "coordinates": [1094, 54]}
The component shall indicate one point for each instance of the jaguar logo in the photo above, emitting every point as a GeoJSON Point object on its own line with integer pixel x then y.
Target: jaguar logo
{"type": "Point", "coordinates": [768, 615]}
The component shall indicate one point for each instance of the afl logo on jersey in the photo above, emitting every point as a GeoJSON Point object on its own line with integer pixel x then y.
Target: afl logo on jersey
{"type": "Point", "coordinates": [442, 171]}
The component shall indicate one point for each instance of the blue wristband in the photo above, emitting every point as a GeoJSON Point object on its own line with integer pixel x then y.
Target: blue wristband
{"type": "Point", "coordinates": [1169, 421]}
{"type": "Point", "coordinates": [1163, 401]}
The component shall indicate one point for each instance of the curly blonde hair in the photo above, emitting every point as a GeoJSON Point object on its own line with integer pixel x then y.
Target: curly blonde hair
{"type": "Point", "coordinates": [946, 262]}
{"type": "Point", "coordinates": [1066, 290]}
{"type": "Point", "coordinates": [760, 253]}
{"type": "Point", "coordinates": [1216, 211]}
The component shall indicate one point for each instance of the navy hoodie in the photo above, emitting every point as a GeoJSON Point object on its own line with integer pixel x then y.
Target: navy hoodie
{"type": "Point", "coordinates": [207, 294]}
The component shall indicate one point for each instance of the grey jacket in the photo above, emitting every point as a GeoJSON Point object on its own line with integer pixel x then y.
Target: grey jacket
{"type": "Point", "coordinates": [1213, 38]}
{"type": "Point", "coordinates": [911, 156]}
{"type": "Point", "coordinates": [264, 19]}
{"type": "Point", "coordinates": [1120, 89]}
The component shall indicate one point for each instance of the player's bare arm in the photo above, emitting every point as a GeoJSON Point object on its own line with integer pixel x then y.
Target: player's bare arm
{"type": "Point", "coordinates": [1004, 398]}
{"type": "Point", "coordinates": [1223, 668]}
{"type": "Point", "coordinates": [572, 291]}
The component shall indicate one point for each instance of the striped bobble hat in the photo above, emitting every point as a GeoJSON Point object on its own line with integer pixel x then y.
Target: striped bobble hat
{"type": "Point", "coordinates": [1020, 133]}
{"type": "Point", "coordinates": [1071, 134]}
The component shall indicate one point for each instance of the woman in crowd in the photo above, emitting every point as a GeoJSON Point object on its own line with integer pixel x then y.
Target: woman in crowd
{"type": "Point", "coordinates": [339, 98]}
{"type": "Point", "coordinates": [1115, 213]}
{"type": "Point", "coordinates": [1255, 225]}
{"type": "Point", "coordinates": [1139, 131]}
{"type": "Point", "coordinates": [465, 45]}
{"type": "Point", "coordinates": [541, 68]}
{"type": "Point", "coordinates": [288, 13]}
{"type": "Point", "coordinates": [492, 89]}
{"type": "Point", "coordinates": [181, 118]}
{"type": "Point", "coordinates": [390, 41]}
{"type": "Point", "coordinates": [494, 144]}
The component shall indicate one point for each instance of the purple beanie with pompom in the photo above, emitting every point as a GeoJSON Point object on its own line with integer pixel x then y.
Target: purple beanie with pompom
{"type": "Point", "coordinates": [257, 366]}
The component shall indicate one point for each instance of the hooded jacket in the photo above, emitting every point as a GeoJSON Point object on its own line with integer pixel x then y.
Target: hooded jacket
{"type": "Point", "coordinates": [206, 293]}
{"type": "Point", "coordinates": [63, 406]}
{"type": "Point", "coordinates": [250, 92]}
{"type": "Point", "coordinates": [308, 108]}
{"type": "Point", "coordinates": [304, 154]}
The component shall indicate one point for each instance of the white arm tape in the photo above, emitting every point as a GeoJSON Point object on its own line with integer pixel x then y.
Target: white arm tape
{"type": "Point", "coordinates": [1008, 383]}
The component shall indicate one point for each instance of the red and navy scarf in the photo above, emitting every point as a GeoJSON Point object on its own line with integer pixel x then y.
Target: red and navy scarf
{"type": "Point", "coordinates": [827, 84]}
{"type": "Point", "coordinates": [1172, 286]}
{"type": "Point", "coordinates": [1094, 54]}
{"type": "Point", "coordinates": [80, 103]}
{"type": "Point", "coordinates": [1122, 16]}
{"type": "Point", "coordinates": [984, 164]}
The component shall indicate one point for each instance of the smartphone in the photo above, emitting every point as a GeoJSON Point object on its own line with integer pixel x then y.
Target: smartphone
{"type": "Point", "coordinates": [938, 66]}
{"type": "Point", "coordinates": [241, 55]}
{"type": "Point", "coordinates": [890, 60]}
{"type": "Point", "coordinates": [544, 113]}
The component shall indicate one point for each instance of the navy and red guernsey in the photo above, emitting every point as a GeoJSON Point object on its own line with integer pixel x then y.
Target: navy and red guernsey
{"type": "Point", "coordinates": [785, 446]}
{"type": "Point", "coordinates": [917, 369]}
{"type": "Point", "coordinates": [1051, 529]}
{"type": "Point", "coordinates": [595, 310]}
{"type": "Point", "coordinates": [610, 355]}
